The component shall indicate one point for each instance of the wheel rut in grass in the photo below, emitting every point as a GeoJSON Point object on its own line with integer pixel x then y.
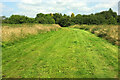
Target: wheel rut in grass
{"type": "Point", "coordinates": [70, 53]}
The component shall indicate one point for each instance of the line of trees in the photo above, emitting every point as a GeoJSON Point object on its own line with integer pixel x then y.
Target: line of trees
{"type": "Point", "coordinates": [104, 17]}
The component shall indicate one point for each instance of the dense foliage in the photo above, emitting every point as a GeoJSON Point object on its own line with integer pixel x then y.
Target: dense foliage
{"type": "Point", "coordinates": [44, 19]}
{"type": "Point", "coordinates": [104, 17]}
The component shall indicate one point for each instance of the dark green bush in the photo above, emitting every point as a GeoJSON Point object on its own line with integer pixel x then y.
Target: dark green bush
{"type": "Point", "coordinates": [45, 19]}
{"type": "Point", "coordinates": [65, 21]}
{"type": "Point", "coordinates": [104, 17]}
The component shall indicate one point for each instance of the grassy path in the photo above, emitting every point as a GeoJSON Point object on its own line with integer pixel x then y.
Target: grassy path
{"type": "Point", "coordinates": [65, 53]}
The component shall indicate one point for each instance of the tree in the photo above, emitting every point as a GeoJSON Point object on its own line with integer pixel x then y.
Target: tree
{"type": "Point", "coordinates": [49, 20]}
{"type": "Point", "coordinates": [64, 15]}
{"type": "Point", "coordinates": [72, 15]}
{"type": "Point", "coordinates": [3, 17]}
{"type": "Point", "coordinates": [112, 20]}
{"type": "Point", "coordinates": [30, 20]}
{"type": "Point", "coordinates": [77, 19]}
{"type": "Point", "coordinates": [40, 15]}
{"type": "Point", "coordinates": [110, 10]}
{"type": "Point", "coordinates": [57, 17]}
{"type": "Point", "coordinates": [104, 17]}
{"type": "Point", "coordinates": [51, 14]}
{"type": "Point", "coordinates": [101, 19]}
{"type": "Point", "coordinates": [65, 21]}
{"type": "Point", "coordinates": [41, 20]}
{"type": "Point", "coordinates": [86, 19]}
{"type": "Point", "coordinates": [93, 19]}
{"type": "Point", "coordinates": [6, 20]}
{"type": "Point", "coordinates": [44, 19]}
{"type": "Point", "coordinates": [118, 19]}
{"type": "Point", "coordinates": [17, 19]}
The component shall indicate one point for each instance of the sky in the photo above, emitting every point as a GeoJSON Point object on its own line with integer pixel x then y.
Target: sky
{"type": "Point", "coordinates": [32, 7]}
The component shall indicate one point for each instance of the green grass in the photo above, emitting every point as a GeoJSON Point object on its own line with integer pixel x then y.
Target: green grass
{"type": "Point", "coordinates": [67, 53]}
{"type": "Point", "coordinates": [108, 32]}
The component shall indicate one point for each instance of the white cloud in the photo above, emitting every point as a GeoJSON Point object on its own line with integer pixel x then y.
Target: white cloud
{"type": "Point", "coordinates": [106, 5]}
{"type": "Point", "coordinates": [31, 1]}
{"type": "Point", "coordinates": [32, 7]}
{"type": "Point", "coordinates": [5, 10]}
{"type": "Point", "coordinates": [1, 8]}
{"type": "Point", "coordinates": [51, 6]}
{"type": "Point", "coordinates": [9, 0]}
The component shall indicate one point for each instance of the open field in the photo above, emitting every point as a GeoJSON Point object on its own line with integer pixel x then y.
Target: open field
{"type": "Point", "coordinates": [13, 32]}
{"type": "Point", "coordinates": [66, 53]}
{"type": "Point", "coordinates": [108, 32]}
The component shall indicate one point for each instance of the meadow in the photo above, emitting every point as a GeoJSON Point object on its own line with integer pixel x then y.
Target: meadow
{"type": "Point", "coordinates": [108, 32]}
{"type": "Point", "coordinates": [15, 32]}
{"type": "Point", "coordinates": [51, 51]}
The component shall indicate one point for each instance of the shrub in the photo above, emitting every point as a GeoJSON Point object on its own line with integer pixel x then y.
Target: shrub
{"type": "Point", "coordinates": [17, 19]}
{"type": "Point", "coordinates": [45, 19]}
{"type": "Point", "coordinates": [65, 21]}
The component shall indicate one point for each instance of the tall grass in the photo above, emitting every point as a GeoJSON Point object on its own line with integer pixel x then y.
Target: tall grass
{"type": "Point", "coordinates": [108, 32]}
{"type": "Point", "coordinates": [12, 32]}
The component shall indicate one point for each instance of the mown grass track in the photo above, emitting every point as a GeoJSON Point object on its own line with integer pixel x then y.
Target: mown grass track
{"type": "Point", "coordinates": [67, 53]}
